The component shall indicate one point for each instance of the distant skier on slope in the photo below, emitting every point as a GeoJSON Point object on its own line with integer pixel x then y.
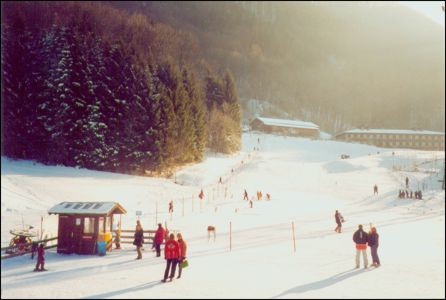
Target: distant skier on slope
{"type": "Point", "coordinates": [245, 195]}
{"type": "Point", "coordinates": [339, 219]}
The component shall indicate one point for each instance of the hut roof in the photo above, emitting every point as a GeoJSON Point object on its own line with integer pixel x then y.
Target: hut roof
{"type": "Point", "coordinates": [87, 208]}
{"type": "Point", "coordinates": [288, 123]}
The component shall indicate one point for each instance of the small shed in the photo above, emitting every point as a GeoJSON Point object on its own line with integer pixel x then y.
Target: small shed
{"type": "Point", "coordinates": [83, 224]}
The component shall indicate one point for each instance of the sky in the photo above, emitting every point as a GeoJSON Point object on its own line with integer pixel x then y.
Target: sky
{"type": "Point", "coordinates": [431, 9]}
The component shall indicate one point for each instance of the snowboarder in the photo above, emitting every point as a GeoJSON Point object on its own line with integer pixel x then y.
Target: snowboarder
{"type": "Point", "coordinates": [40, 259]}
{"type": "Point", "coordinates": [407, 182]}
{"type": "Point", "coordinates": [360, 238]}
{"type": "Point", "coordinates": [139, 238]}
{"type": "Point", "coordinates": [373, 241]}
{"type": "Point", "coordinates": [171, 255]}
{"type": "Point", "coordinates": [158, 239]}
{"type": "Point", "coordinates": [183, 250]}
{"type": "Point", "coordinates": [245, 196]}
{"type": "Point", "coordinates": [375, 190]}
{"type": "Point", "coordinates": [339, 219]}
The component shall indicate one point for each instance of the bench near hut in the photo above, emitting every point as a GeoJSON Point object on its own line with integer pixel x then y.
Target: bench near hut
{"type": "Point", "coordinates": [83, 224]}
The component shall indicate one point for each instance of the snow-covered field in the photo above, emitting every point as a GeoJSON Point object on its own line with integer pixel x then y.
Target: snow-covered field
{"type": "Point", "coordinates": [307, 181]}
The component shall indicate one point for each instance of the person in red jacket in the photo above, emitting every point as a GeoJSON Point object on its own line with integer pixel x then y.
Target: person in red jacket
{"type": "Point", "coordinates": [183, 250]}
{"type": "Point", "coordinates": [40, 259]}
{"type": "Point", "coordinates": [159, 239]}
{"type": "Point", "coordinates": [171, 254]}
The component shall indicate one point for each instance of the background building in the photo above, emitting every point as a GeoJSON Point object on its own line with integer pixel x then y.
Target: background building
{"type": "Point", "coordinates": [392, 138]}
{"type": "Point", "coordinates": [286, 127]}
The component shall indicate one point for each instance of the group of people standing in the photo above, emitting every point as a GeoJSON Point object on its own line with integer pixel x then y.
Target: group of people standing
{"type": "Point", "coordinates": [412, 195]}
{"type": "Point", "coordinates": [174, 250]}
{"type": "Point", "coordinates": [362, 239]}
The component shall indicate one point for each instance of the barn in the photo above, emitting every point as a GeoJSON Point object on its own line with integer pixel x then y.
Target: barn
{"type": "Point", "coordinates": [83, 224]}
{"type": "Point", "coordinates": [286, 127]}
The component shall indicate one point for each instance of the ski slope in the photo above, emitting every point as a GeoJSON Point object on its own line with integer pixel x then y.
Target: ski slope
{"type": "Point", "coordinates": [307, 181]}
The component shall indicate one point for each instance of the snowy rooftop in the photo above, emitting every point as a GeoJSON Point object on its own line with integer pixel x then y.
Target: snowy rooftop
{"type": "Point", "coordinates": [287, 123]}
{"type": "Point", "coordinates": [87, 208]}
{"type": "Point", "coordinates": [392, 131]}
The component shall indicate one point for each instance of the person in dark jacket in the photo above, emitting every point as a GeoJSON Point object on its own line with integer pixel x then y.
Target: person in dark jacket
{"type": "Point", "coordinates": [360, 238]}
{"type": "Point", "coordinates": [171, 254]}
{"type": "Point", "coordinates": [373, 241]}
{"type": "Point", "coordinates": [139, 239]}
{"type": "Point", "coordinates": [338, 219]}
{"type": "Point", "coordinates": [159, 239]}
{"type": "Point", "coordinates": [40, 259]}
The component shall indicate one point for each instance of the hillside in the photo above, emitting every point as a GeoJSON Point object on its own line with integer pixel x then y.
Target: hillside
{"type": "Point", "coordinates": [354, 64]}
{"type": "Point", "coordinates": [307, 181]}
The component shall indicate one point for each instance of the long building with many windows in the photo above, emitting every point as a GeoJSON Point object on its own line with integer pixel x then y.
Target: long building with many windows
{"type": "Point", "coordinates": [392, 138]}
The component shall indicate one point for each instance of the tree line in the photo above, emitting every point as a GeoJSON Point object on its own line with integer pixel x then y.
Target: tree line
{"type": "Point", "coordinates": [87, 85]}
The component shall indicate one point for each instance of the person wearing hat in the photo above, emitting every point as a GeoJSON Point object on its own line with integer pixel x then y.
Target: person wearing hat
{"type": "Point", "coordinates": [360, 238]}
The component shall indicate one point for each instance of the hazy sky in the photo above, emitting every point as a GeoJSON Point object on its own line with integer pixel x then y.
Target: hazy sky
{"type": "Point", "coordinates": [431, 9]}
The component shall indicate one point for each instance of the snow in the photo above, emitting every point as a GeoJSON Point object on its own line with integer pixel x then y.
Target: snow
{"type": "Point", "coordinates": [307, 181]}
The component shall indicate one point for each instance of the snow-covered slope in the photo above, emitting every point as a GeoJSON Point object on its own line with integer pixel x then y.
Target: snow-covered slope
{"type": "Point", "coordinates": [307, 181]}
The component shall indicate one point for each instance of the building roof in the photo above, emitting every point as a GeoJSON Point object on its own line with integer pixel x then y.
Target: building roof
{"type": "Point", "coordinates": [288, 123]}
{"type": "Point", "coordinates": [87, 208]}
{"type": "Point", "coordinates": [392, 131]}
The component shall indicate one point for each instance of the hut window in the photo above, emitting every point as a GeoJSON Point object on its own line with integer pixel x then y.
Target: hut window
{"type": "Point", "coordinates": [101, 224]}
{"type": "Point", "coordinates": [88, 205]}
{"type": "Point", "coordinates": [78, 205]}
{"type": "Point", "coordinates": [89, 225]}
{"type": "Point", "coordinates": [107, 223]}
{"type": "Point", "coordinates": [97, 206]}
{"type": "Point", "coordinates": [68, 205]}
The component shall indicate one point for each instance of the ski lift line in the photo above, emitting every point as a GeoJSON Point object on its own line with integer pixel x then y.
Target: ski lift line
{"type": "Point", "coordinates": [23, 196]}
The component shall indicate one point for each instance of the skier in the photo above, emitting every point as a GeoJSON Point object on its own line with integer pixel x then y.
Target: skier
{"type": "Point", "coordinates": [171, 207]}
{"type": "Point", "coordinates": [139, 238]}
{"type": "Point", "coordinates": [171, 254]}
{"type": "Point", "coordinates": [201, 195]}
{"type": "Point", "coordinates": [339, 219]}
{"type": "Point", "coordinates": [375, 190]}
{"type": "Point", "coordinates": [407, 182]}
{"type": "Point", "coordinates": [360, 238]}
{"type": "Point", "coordinates": [220, 181]}
{"type": "Point", "coordinates": [158, 239]}
{"type": "Point", "coordinates": [373, 241]}
{"type": "Point", "coordinates": [183, 249]}
{"type": "Point", "coordinates": [245, 195]}
{"type": "Point", "coordinates": [268, 196]}
{"type": "Point", "coordinates": [40, 259]}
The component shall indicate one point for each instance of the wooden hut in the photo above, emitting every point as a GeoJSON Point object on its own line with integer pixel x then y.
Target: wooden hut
{"type": "Point", "coordinates": [83, 224]}
{"type": "Point", "coordinates": [286, 127]}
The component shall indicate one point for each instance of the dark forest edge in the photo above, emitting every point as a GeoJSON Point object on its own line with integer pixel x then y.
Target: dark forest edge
{"type": "Point", "coordinates": [87, 85]}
